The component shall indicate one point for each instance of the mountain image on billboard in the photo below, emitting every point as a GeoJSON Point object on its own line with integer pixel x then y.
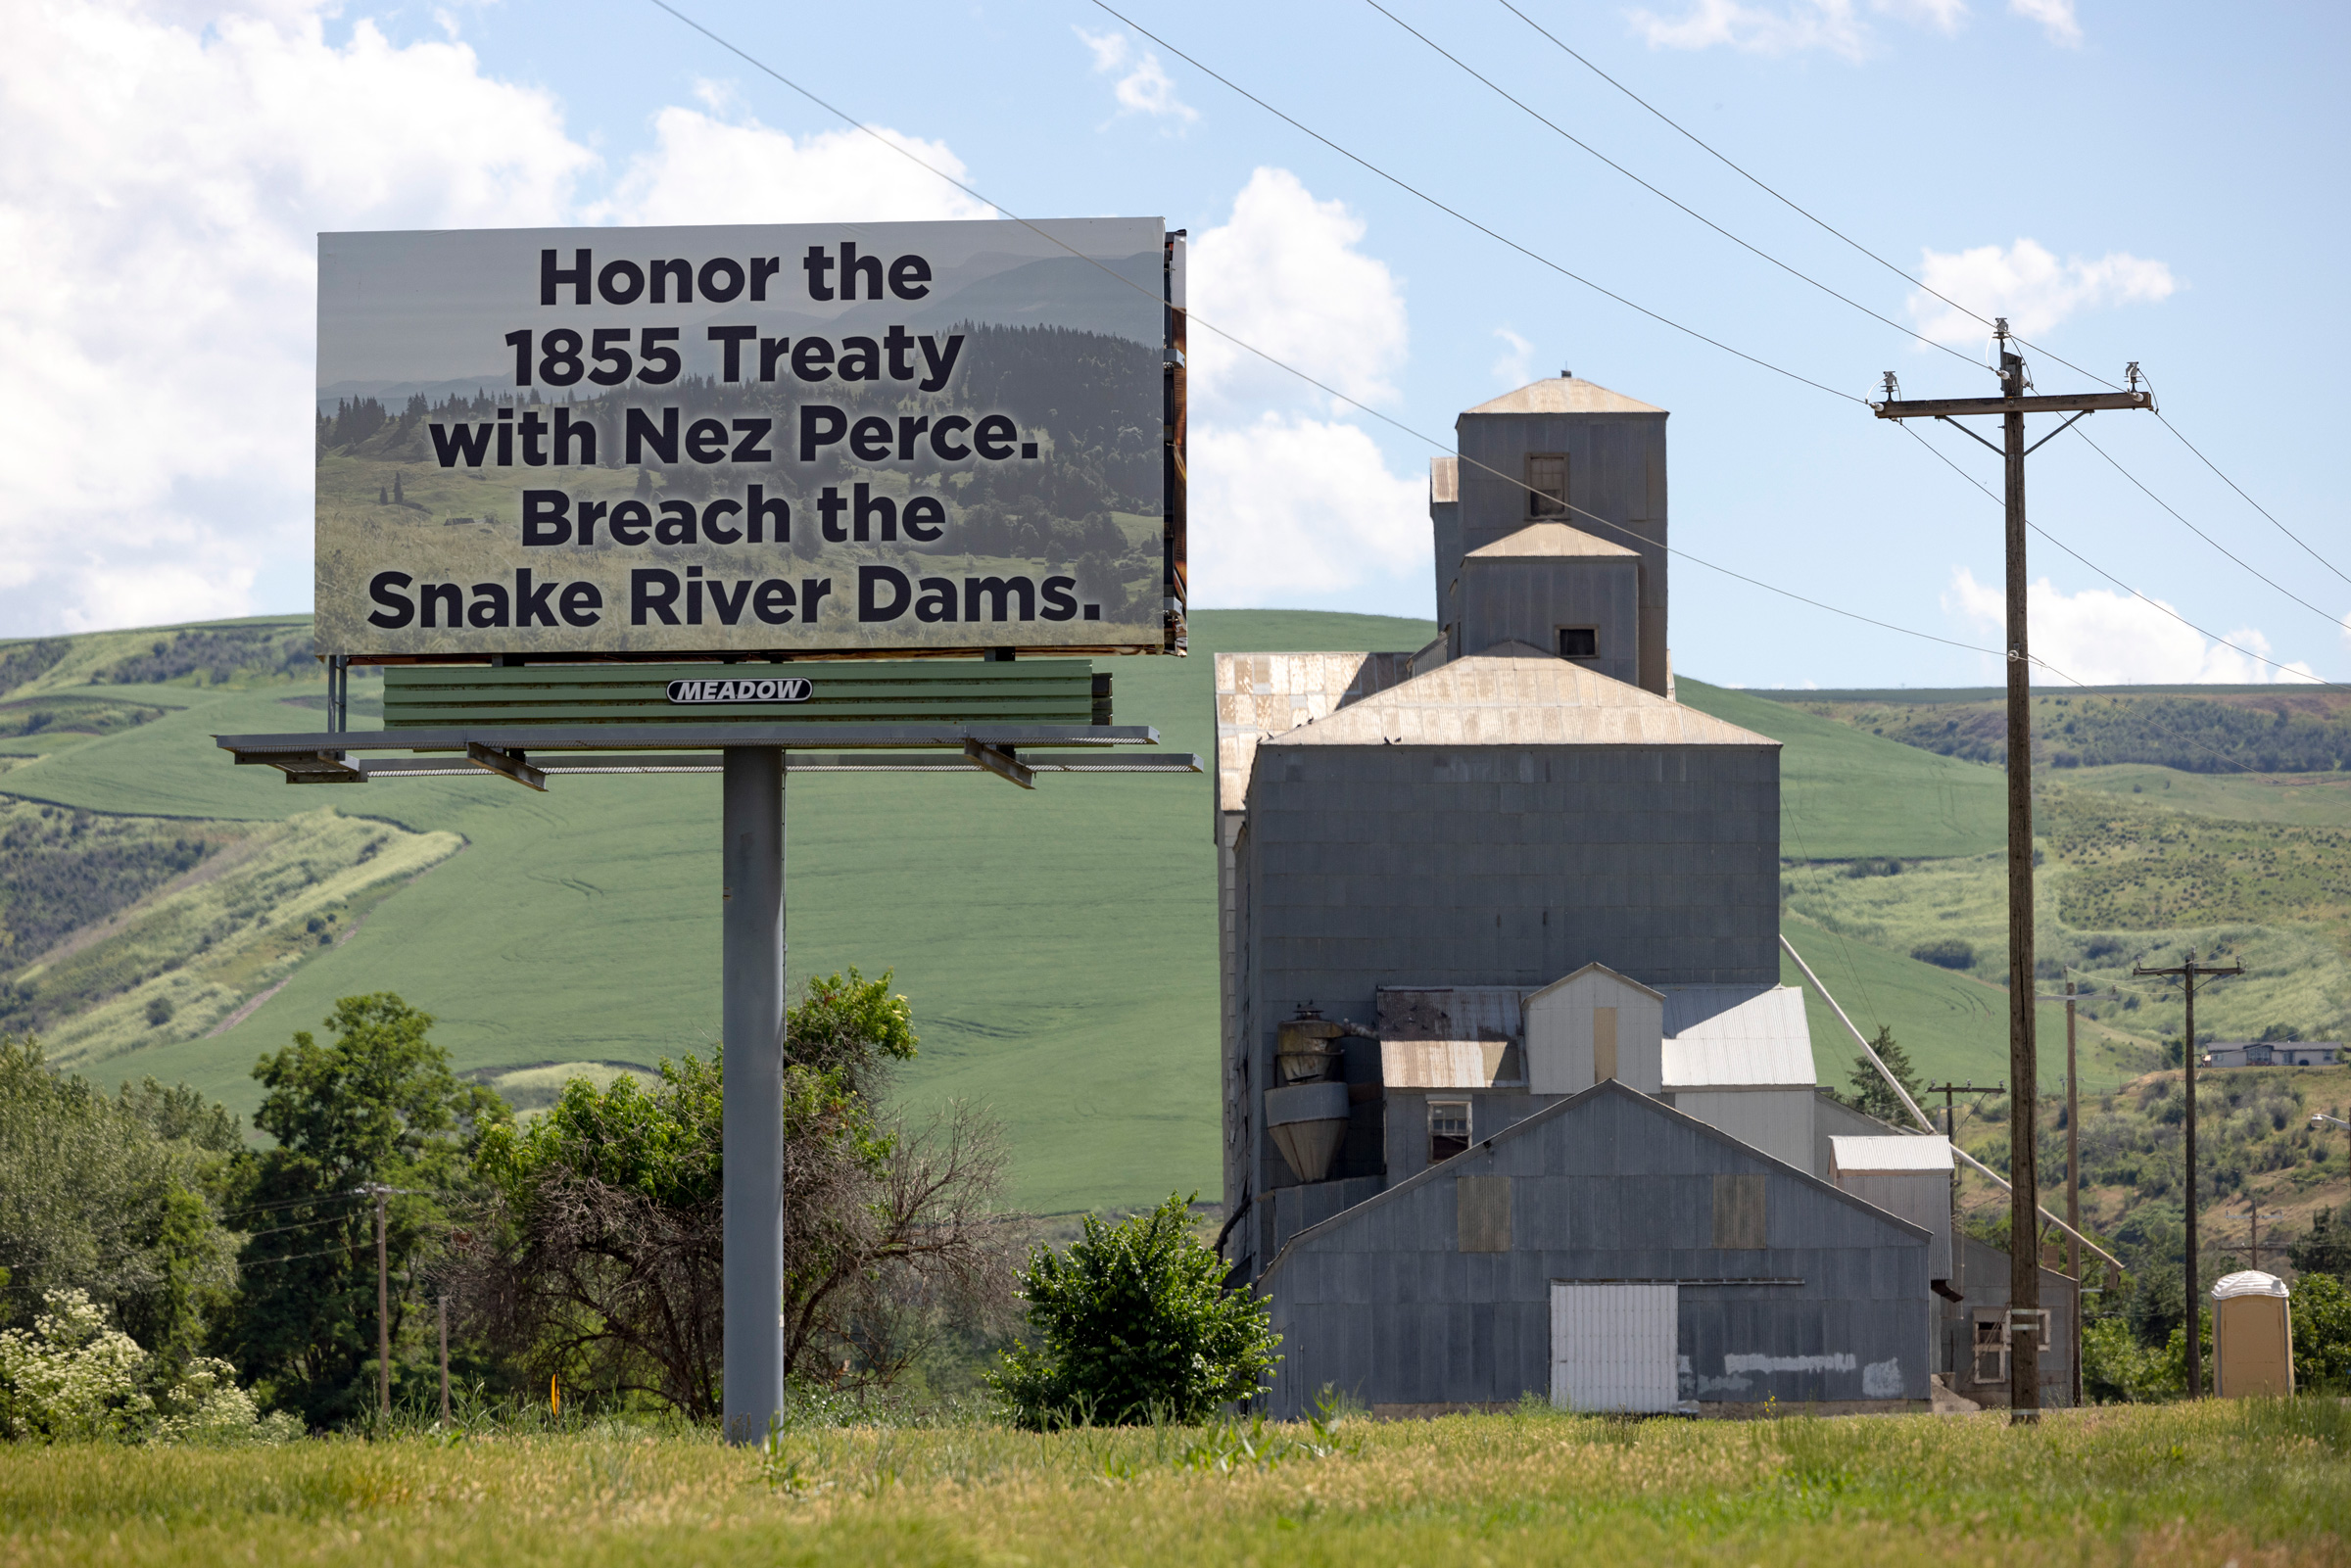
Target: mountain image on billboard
{"type": "Point", "coordinates": [876, 437]}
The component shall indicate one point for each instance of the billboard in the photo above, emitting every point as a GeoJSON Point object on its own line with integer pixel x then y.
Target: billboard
{"type": "Point", "coordinates": [890, 438]}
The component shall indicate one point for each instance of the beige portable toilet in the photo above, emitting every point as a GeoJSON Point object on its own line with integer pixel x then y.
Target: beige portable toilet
{"type": "Point", "coordinates": [2252, 1336]}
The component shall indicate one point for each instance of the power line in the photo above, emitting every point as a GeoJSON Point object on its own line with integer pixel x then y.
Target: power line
{"type": "Point", "coordinates": [1462, 216]}
{"type": "Point", "coordinates": [1318, 384]}
{"type": "Point", "coordinates": [2155, 604]}
{"type": "Point", "coordinates": [1900, 272]}
{"type": "Point", "coordinates": [1329, 391]}
{"type": "Point", "coordinates": [2334, 621]}
{"type": "Point", "coordinates": [1569, 136]}
{"type": "Point", "coordinates": [308, 1224]}
{"type": "Point", "coordinates": [295, 1258]}
{"type": "Point", "coordinates": [1767, 190]}
{"type": "Point", "coordinates": [2249, 501]}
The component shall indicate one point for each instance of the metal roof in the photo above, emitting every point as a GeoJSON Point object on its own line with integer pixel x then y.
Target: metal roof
{"type": "Point", "coordinates": [2251, 1282]}
{"type": "Point", "coordinates": [1511, 695]}
{"type": "Point", "coordinates": [1550, 541]}
{"type": "Point", "coordinates": [1450, 1013]}
{"type": "Point", "coordinates": [1579, 974]}
{"type": "Point", "coordinates": [1737, 1037]}
{"type": "Point", "coordinates": [1880, 1157]}
{"type": "Point", "coordinates": [1563, 395]}
{"type": "Point", "coordinates": [1262, 695]}
{"type": "Point", "coordinates": [1444, 480]}
{"type": "Point", "coordinates": [1451, 1064]}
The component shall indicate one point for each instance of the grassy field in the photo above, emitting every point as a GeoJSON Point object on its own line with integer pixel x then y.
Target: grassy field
{"type": "Point", "coordinates": [2296, 799]}
{"type": "Point", "coordinates": [1954, 1028]}
{"type": "Point", "coordinates": [1032, 930]}
{"type": "Point", "coordinates": [576, 931]}
{"type": "Point", "coordinates": [2139, 1486]}
{"type": "Point", "coordinates": [1845, 794]}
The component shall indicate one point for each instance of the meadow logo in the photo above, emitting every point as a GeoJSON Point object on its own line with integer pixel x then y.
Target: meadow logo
{"type": "Point", "coordinates": [773, 688]}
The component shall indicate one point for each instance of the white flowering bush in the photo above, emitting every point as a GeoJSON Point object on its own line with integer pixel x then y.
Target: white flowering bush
{"type": "Point", "coordinates": [76, 1378]}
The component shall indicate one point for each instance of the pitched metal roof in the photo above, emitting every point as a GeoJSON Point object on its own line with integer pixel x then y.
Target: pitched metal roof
{"type": "Point", "coordinates": [1262, 695]}
{"type": "Point", "coordinates": [1563, 395]}
{"type": "Point", "coordinates": [1737, 1037]}
{"type": "Point", "coordinates": [1451, 1064]}
{"type": "Point", "coordinates": [1879, 1157]}
{"type": "Point", "coordinates": [1511, 695]}
{"type": "Point", "coordinates": [1550, 541]}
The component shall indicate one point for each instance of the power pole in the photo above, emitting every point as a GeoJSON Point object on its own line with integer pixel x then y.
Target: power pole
{"type": "Point", "coordinates": [383, 1304]}
{"type": "Point", "coordinates": [2252, 1246]}
{"type": "Point", "coordinates": [2188, 971]}
{"type": "Point", "coordinates": [2073, 1186]}
{"type": "Point", "coordinates": [1948, 1090]}
{"type": "Point", "coordinates": [2024, 1056]}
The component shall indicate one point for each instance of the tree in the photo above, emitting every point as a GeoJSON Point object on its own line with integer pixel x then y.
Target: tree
{"type": "Point", "coordinates": [117, 1199]}
{"type": "Point", "coordinates": [1135, 1324]}
{"type": "Point", "coordinates": [1872, 1095]}
{"type": "Point", "coordinates": [2327, 1249]}
{"type": "Point", "coordinates": [378, 1105]}
{"type": "Point", "coordinates": [2322, 1315]}
{"type": "Point", "coordinates": [609, 1266]}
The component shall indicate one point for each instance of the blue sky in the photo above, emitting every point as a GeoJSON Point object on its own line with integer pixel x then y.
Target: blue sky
{"type": "Point", "coordinates": [2147, 182]}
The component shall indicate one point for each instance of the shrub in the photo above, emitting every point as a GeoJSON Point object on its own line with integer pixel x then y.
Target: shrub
{"type": "Point", "coordinates": [2115, 1369]}
{"type": "Point", "coordinates": [1135, 1324]}
{"type": "Point", "coordinates": [76, 1378]}
{"type": "Point", "coordinates": [1948, 952]}
{"type": "Point", "coordinates": [2322, 1315]}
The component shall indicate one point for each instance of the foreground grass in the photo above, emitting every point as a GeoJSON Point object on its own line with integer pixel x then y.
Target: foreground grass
{"type": "Point", "coordinates": [2251, 1483]}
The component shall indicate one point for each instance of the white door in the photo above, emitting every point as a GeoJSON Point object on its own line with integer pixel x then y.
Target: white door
{"type": "Point", "coordinates": [1613, 1346]}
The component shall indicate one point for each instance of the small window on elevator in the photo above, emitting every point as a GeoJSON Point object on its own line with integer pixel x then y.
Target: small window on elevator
{"type": "Point", "coordinates": [1579, 642]}
{"type": "Point", "coordinates": [1447, 1130]}
{"type": "Point", "coordinates": [1546, 484]}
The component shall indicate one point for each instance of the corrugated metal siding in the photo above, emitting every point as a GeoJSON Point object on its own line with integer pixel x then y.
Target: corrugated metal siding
{"type": "Point", "coordinates": [1615, 479]}
{"type": "Point", "coordinates": [1561, 1027]}
{"type": "Point", "coordinates": [1613, 1346]}
{"type": "Point", "coordinates": [1528, 601]}
{"type": "Point", "coordinates": [1778, 1121]}
{"type": "Point", "coordinates": [1608, 1186]}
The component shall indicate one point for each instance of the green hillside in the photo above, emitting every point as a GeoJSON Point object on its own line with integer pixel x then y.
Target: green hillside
{"type": "Point", "coordinates": [1058, 945]}
{"type": "Point", "coordinates": [1845, 794]}
{"type": "Point", "coordinates": [169, 913]}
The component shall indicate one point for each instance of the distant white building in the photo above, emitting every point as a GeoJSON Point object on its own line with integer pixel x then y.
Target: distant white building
{"type": "Point", "coordinates": [2274, 1054]}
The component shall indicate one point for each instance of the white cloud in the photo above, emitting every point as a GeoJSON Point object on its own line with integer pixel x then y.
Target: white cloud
{"type": "Point", "coordinates": [1284, 274]}
{"type": "Point", "coordinates": [169, 168]}
{"type": "Point", "coordinates": [166, 175]}
{"type": "Point", "coordinates": [2030, 286]}
{"type": "Point", "coordinates": [1838, 26]}
{"type": "Point", "coordinates": [705, 168]}
{"type": "Point", "coordinates": [2056, 19]}
{"type": "Point", "coordinates": [1514, 367]}
{"type": "Point", "coordinates": [1302, 501]}
{"type": "Point", "coordinates": [2101, 637]}
{"type": "Point", "coordinates": [1144, 90]}
{"type": "Point", "coordinates": [1829, 25]}
{"type": "Point", "coordinates": [1292, 507]}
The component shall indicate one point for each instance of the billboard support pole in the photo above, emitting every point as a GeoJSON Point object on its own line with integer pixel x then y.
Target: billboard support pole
{"type": "Point", "coordinates": [751, 1041]}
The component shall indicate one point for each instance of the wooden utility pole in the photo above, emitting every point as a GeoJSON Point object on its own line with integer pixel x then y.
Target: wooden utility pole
{"type": "Point", "coordinates": [2253, 1246]}
{"type": "Point", "coordinates": [2073, 1186]}
{"type": "Point", "coordinates": [383, 1305]}
{"type": "Point", "coordinates": [2024, 1061]}
{"type": "Point", "coordinates": [1948, 1090]}
{"type": "Point", "coordinates": [2186, 972]}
